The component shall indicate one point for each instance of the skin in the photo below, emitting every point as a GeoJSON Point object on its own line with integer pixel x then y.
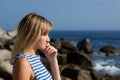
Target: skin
{"type": "Point", "coordinates": [23, 71]}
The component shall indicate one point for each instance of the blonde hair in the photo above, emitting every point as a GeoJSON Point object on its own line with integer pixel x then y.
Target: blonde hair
{"type": "Point", "coordinates": [29, 30]}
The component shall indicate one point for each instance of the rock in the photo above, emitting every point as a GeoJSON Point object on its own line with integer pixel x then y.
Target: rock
{"type": "Point", "coordinates": [8, 44]}
{"type": "Point", "coordinates": [108, 77]}
{"type": "Point", "coordinates": [66, 44]}
{"type": "Point", "coordinates": [55, 43]}
{"type": "Point", "coordinates": [1, 45]}
{"type": "Point", "coordinates": [109, 50]}
{"type": "Point", "coordinates": [76, 74]}
{"type": "Point", "coordinates": [3, 35]}
{"type": "Point", "coordinates": [65, 78]}
{"type": "Point", "coordinates": [70, 73]}
{"type": "Point", "coordinates": [1, 79]}
{"type": "Point", "coordinates": [96, 75]}
{"type": "Point", "coordinates": [85, 46]}
{"type": "Point", "coordinates": [6, 39]}
{"type": "Point", "coordinates": [12, 33]}
{"type": "Point", "coordinates": [5, 55]}
{"type": "Point", "coordinates": [62, 59]}
{"type": "Point", "coordinates": [6, 70]}
{"type": "Point", "coordinates": [80, 59]}
{"type": "Point", "coordinates": [6, 66]}
{"type": "Point", "coordinates": [84, 75]}
{"type": "Point", "coordinates": [63, 51]}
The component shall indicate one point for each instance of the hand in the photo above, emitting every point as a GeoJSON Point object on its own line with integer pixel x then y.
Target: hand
{"type": "Point", "coordinates": [50, 52]}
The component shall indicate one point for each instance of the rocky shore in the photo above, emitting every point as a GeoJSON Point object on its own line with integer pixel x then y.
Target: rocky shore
{"type": "Point", "coordinates": [74, 61]}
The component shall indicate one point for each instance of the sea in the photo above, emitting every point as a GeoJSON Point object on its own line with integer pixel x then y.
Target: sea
{"type": "Point", "coordinates": [104, 64]}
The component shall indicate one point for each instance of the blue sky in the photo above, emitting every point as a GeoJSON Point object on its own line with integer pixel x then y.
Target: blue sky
{"type": "Point", "coordinates": [64, 14]}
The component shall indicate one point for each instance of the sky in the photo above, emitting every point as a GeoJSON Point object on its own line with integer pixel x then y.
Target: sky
{"type": "Point", "coordinates": [64, 14]}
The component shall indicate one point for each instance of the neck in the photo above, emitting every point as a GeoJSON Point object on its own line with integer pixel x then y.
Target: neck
{"type": "Point", "coordinates": [30, 51]}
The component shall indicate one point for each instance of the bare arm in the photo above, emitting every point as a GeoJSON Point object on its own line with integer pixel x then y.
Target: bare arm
{"type": "Point", "coordinates": [55, 69]}
{"type": "Point", "coordinates": [22, 70]}
{"type": "Point", "coordinates": [51, 54]}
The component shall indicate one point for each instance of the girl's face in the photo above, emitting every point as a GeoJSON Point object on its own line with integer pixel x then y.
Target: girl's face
{"type": "Point", "coordinates": [43, 42]}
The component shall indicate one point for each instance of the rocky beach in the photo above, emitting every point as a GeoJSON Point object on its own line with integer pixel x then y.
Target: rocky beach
{"type": "Point", "coordinates": [74, 61]}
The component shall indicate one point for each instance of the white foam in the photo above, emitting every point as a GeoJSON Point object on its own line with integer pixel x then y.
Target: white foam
{"type": "Point", "coordinates": [107, 68]}
{"type": "Point", "coordinates": [107, 64]}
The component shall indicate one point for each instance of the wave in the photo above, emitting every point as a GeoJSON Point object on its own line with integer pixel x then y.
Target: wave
{"type": "Point", "coordinates": [107, 64]}
{"type": "Point", "coordinates": [107, 69]}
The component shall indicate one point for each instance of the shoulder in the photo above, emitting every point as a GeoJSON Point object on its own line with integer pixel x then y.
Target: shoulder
{"type": "Point", "coordinates": [21, 62]}
{"type": "Point", "coordinates": [22, 69]}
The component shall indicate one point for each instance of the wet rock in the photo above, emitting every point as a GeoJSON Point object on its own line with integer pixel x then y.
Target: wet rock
{"type": "Point", "coordinates": [80, 59]}
{"type": "Point", "coordinates": [76, 74]}
{"type": "Point", "coordinates": [63, 51]}
{"type": "Point", "coordinates": [70, 73]}
{"type": "Point", "coordinates": [62, 59]}
{"type": "Point", "coordinates": [65, 78]}
{"type": "Point", "coordinates": [84, 75]}
{"type": "Point", "coordinates": [96, 75]}
{"type": "Point", "coordinates": [56, 43]}
{"type": "Point", "coordinates": [109, 50]}
{"type": "Point", "coordinates": [66, 44]}
{"type": "Point", "coordinates": [85, 46]}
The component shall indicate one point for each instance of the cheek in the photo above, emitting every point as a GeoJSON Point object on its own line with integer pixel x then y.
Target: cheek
{"type": "Point", "coordinates": [41, 45]}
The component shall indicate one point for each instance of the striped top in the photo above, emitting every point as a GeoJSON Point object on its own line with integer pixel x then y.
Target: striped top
{"type": "Point", "coordinates": [41, 73]}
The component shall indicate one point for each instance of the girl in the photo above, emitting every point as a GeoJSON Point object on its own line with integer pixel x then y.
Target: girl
{"type": "Point", "coordinates": [32, 35]}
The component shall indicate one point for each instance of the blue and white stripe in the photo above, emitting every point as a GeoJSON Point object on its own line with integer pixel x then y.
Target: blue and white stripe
{"type": "Point", "coordinates": [41, 73]}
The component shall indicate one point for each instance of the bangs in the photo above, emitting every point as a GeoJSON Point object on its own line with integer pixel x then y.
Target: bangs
{"type": "Point", "coordinates": [46, 28]}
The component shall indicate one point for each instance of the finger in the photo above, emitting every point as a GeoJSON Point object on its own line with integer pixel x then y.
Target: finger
{"type": "Point", "coordinates": [47, 46]}
{"type": "Point", "coordinates": [50, 51]}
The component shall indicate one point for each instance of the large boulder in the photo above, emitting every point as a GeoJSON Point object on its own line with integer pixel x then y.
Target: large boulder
{"type": "Point", "coordinates": [6, 70]}
{"type": "Point", "coordinates": [66, 44]}
{"type": "Point", "coordinates": [1, 45]}
{"type": "Point", "coordinates": [80, 59]}
{"type": "Point", "coordinates": [3, 35]}
{"type": "Point", "coordinates": [12, 33]}
{"type": "Point", "coordinates": [1, 79]}
{"type": "Point", "coordinates": [70, 73]}
{"type": "Point", "coordinates": [5, 55]}
{"type": "Point", "coordinates": [109, 50]}
{"type": "Point", "coordinates": [84, 75]}
{"type": "Point", "coordinates": [85, 46]}
{"type": "Point", "coordinates": [7, 39]}
{"type": "Point", "coordinates": [65, 78]}
{"type": "Point", "coordinates": [7, 44]}
{"type": "Point", "coordinates": [75, 74]}
{"type": "Point", "coordinates": [5, 65]}
{"type": "Point", "coordinates": [56, 43]}
{"type": "Point", "coordinates": [62, 59]}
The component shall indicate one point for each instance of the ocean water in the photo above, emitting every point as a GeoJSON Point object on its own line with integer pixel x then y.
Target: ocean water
{"type": "Point", "coordinates": [105, 64]}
